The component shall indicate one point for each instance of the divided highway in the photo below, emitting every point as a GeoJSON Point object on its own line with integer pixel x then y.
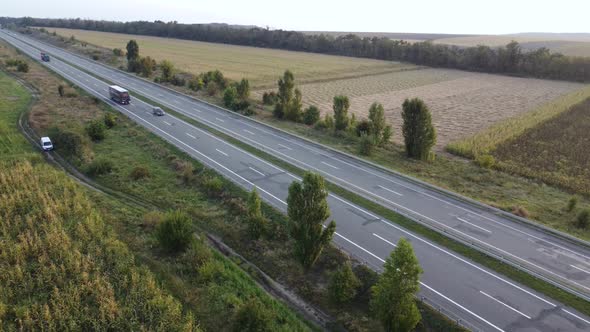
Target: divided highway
{"type": "Point", "coordinates": [480, 298]}
{"type": "Point", "coordinates": [561, 261]}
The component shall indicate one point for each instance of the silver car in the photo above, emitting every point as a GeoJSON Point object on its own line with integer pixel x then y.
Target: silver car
{"type": "Point", "coordinates": [158, 111]}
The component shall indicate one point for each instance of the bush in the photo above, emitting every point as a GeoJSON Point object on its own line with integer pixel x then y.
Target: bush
{"type": "Point", "coordinates": [311, 115]}
{"type": "Point", "coordinates": [363, 127]}
{"type": "Point", "coordinates": [520, 211]}
{"type": "Point", "coordinates": [139, 172]}
{"type": "Point", "coordinates": [252, 316]}
{"type": "Point", "coordinates": [269, 98]}
{"type": "Point", "coordinates": [99, 167]}
{"type": "Point", "coordinates": [343, 285]}
{"type": "Point", "coordinates": [485, 160]}
{"type": "Point", "coordinates": [230, 94]}
{"type": "Point", "coordinates": [60, 90]}
{"type": "Point", "coordinates": [110, 120]}
{"type": "Point", "coordinates": [69, 142]}
{"type": "Point", "coordinates": [197, 254]}
{"type": "Point", "coordinates": [571, 204]}
{"type": "Point", "coordinates": [212, 89]}
{"type": "Point", "coordinates": [213, 186]}
{"type": "Point", "coordinates": [367, 144]}
{"type": "Point", "coordinates": [117, 51]}
{"type": "Point", "coordinates": [196, 84]}
{"type": "Point", "coordinates": [23, 67]}
{"type": "Point", "coordinates": [175, 232]}
{"type": "Point", "coordinates": [178, 80]}
{"type": "Point", "coordinates": [96, 130]}
{"type": "Point", "coordinates": [583, 219]}
{"type": "Point", "coordinates": [151, 219]}
{"type": "Point", "coordinates": [326, 123]}
{"type": "Point", "coordinates": [95, 57]}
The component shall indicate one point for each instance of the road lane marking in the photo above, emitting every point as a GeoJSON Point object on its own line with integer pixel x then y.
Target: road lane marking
{"type": "Point", "coordinates": [257, 171]}
{"type": "Point", "coordinates": [578, 317]}
{"type": "Point", "coordinates": [391, 191]}
{"type": "Point", "coordinates": [218, 119]}
{"type": "Point", "coordinates": [504, 304]}
{"type": "Point", "coordinates": [191, 136]}
{"type": "Point", "coordinates": [575, 267]}
{"type": "Point", "coordinates": [467, 222]}
{"type": "Point", "coordinates": [196, 110]}
{"type": "Point", "coordinates": [468, 263]}
{"type": "Point", "coordinates": [248, 131]}
{"type": "Point", "coordinates": [325, 163]}
{"type": "Point", "coordinates": [223, 153]}
{"type": "Point", "coordinates": [168, 123]}
{"type": "Point", "coordinates": [284, 146]}
{"type": "Point", "coordinates": [384, 240]}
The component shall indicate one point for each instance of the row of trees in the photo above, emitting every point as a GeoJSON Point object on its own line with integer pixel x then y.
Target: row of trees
{"type": "Point", "coordinates": [510, 59]}
{"type": "Point", "coordinates": [418, 131]}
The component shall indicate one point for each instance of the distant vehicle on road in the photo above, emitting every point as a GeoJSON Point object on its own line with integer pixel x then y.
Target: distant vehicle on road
{"type": "Point", "coordinates": [158, 111]}
{"type": "Point", "coordinates": [119, 95]}
{"type": "Point", "coordinates": [45, 57]}
{"type": "Point", "coordinates": [46, 144]}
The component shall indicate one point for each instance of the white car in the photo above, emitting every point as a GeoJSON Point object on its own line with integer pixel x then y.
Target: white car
{"type": "Point", "coordinates": [46, 144]}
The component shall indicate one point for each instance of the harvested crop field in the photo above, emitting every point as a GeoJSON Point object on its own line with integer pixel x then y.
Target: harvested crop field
{"type": "Point", "coordinates": [261, 66]}
{"type": "Point", "coordinates": [462, 103]}
{"type": "Point", "coordinates": [555, 151]}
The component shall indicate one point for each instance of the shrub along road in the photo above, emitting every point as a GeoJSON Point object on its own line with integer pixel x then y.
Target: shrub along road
{"type": "Point", "coordinates": [479, 297]}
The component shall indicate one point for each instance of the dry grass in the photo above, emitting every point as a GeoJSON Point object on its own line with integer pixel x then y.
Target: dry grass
{"type": "Point", "coordinates": [260, 65]}
{"type": "Point", "coordinates": [555, 151]}
{"type": "Point", "coordinates": [485, 141]}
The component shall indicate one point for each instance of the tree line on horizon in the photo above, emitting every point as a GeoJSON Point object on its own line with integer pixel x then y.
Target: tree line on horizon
{"type": "Point", "coordinates": [510, 59]}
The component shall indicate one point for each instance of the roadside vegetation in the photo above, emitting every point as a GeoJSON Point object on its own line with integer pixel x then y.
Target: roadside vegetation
{"type": "Point", "coordinates": [144, 166]}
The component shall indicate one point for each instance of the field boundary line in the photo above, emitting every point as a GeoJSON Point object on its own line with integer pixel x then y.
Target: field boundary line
{"type": "Point", "coordinates": [567, 237]}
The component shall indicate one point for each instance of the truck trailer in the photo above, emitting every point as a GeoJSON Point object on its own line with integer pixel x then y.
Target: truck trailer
{"type": "Point", "coordinates": [119, 95]}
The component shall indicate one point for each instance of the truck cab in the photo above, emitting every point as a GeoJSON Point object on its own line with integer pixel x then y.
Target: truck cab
{"type": "Point", "coordinates": [45, 57]}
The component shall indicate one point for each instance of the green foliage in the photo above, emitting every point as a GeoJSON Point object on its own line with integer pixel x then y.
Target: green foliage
{"type": "Point", "coordinates": [306, 224]}
{"type": "Point", "coordinates": [393, 297]}
{"type": "Point", "coordinates": [256, 221]}
{"type": "Point", "coordinates": [311, 115]}
{"type": "Point", "coordinates": [23, 67]}
{"type": "Point", "coordinates": [146, 66]}
{"type": "Point", "coordinates": [571, 204]}
{"type": "Point", "coordinates": [583, 219]}
{"type": "Point", "coordinates": [379, 128]}
{"type": "Point", "coordinates": [196, 84]}
{"type": "Point", "coordinates": [96, 130]}
{"type": "Point", "coordinates": [230, 96]}
{"type": "Point", "coordinates": [167, 68]}
{"type": "Point", "coordinates": [340, 107]}
{"type": "Point", "coordinates": [197, 254]}
{"type": "Point", "coordinates": [117, 52]}
{"type": "Point", "coordinates": [139, 172]}
{"type": "Point", "coordinates": [175, 232]}
{"type": "Point", "coordinates": [213, 186]}
{"type": "Point", "coordinates": [326, 123]}
{"type": "Point", "coordinates": [343, 285]}
{"type": "Point", "coordinates": [178, 80]}
{"type": "Point", "coordinates": [386, 135]}
{"type": "Point", "coordinates": [363, 127]}
{"type": "Point", "coordinates": [285, 94]}
{"type": "Point", "coordinates": [366, 144]}
{"type": "Point", "coordinates": [418, 131]}
{"type": "Point", "coordinates": [212, 88]}
{"type": "Point", "coordinates": [485, 161]}
{"type": "Point", "coordinates": [293, 108]}
{"type": "Point", "coordinates": [95, 57]}
{"type": "Point", "coordinates": [269, 98]}
{"type": "Point", "coordinates": [69, 143]}
{"type": "Point", "coordinates": [252, 316]}
{"type": "Point", "coordinates": [132, 50]}
{"type": "Point", "coordinates": [243, 89]}
{"type": "Point", "coordinates": [110, 120]}
{"type": "Point", "coordinates": [60, 90]}
{"type": "Point", "coordinates": [99, 166]}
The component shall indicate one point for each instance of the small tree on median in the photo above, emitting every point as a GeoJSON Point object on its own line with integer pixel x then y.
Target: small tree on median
{"type": "Point", "coordinates": [167, 68]}
{"type": "Point", "coordinates": [132, 50]}
{"type": "Point", "coordinates": [340, 107]}
{"type": "Point", "coordinates": [307, 209]}
{"type": "Point", "coordinates": [230, 96]}
{"type": "Point", "coordinates": [393, 296]}
{"type": "Point", "coordinates": [343, 284]}
{"type": "Point", "coordinates": [285, 95]}
{"type": "Point", "coordinates": [418, 131]}
{"type": "Point", "coordinates": [379, 127]}
{"type": "Point", "coordinates": [243, 89]}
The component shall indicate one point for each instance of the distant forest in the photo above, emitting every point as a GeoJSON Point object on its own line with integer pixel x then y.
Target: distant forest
{"type": "Point", "coordinates": [510, 59]}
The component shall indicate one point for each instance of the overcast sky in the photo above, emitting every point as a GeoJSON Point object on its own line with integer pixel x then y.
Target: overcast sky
{"type": "Point", "coordinates": [436, 16]}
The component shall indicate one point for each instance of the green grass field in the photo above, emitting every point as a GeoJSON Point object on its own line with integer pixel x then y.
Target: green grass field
{"type": "Point", "coordinates": [260, 65]}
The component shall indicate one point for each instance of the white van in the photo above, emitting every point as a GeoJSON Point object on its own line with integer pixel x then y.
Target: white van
{"type": "Point", "coordinates": [46, 144]}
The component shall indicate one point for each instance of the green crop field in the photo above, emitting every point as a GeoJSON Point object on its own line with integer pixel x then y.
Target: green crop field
{"type": "Point", "coordinates": [260, 65]}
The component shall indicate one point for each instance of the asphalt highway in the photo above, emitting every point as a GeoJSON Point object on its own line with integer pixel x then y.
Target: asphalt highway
{"type": "Point", "coordinates": [465, 291]}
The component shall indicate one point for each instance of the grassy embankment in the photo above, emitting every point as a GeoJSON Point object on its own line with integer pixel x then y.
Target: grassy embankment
{"type": "Point", "coordinates": [176, 181]}
{"type": "Point", "coordinates": [477, 178]}
{"type": "Point", "coordinates": [542, 203]}
{"type": "Point", "coordinates": [68, 269]}
{"type": "Point", "coordinates": [62, 266]}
